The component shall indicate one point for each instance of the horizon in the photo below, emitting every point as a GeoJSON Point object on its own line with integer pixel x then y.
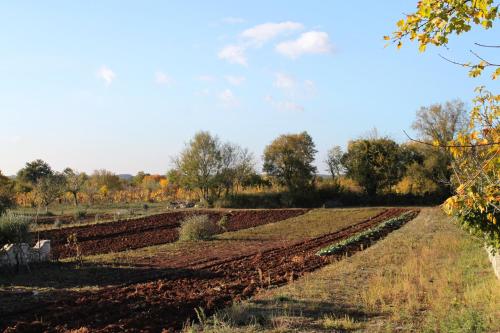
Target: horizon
{"type": "Point", "coordinates": [122, 87]}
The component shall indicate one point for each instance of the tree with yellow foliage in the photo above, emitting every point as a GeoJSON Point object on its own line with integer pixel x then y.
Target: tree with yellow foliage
{"type": "Point", "coordinates": [476, 150]}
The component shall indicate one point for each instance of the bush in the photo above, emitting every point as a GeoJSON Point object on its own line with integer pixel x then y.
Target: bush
{"type": "Point", "coordinates": [80, 215]}
{"type": "Point", "coordinates": [14, 229]}
{"type": "Point", "coordinates": [198, 227]}
{"type": "Point", "coordinates": [223, 222]}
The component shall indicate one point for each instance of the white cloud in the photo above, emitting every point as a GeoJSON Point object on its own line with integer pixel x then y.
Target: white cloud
{"type": "Point", "coordinates": [285, 105]}
{"type": "Point", "coordinates": [227, 99]}
{"type": "Point", "coordinates": [106, 74]}
{"type": "Point", "coordinates": [284, 81]}
{"type": "Point", "coordinates": [162, 78]}
{"type": "Point", "coordinates": [312, 42]}
{"type": "Point", "coordinates": [233, 20]}
{"type": "Point", "coordinates": [234, 54]}
{"type": "Point", "coordinates": [262, 33]}
{"type": "Point", "coordinates": [235, 80]}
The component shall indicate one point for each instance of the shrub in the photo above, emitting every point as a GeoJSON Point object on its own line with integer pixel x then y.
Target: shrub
{"type": "Point", "coordinates": [80, 215]}
{"type": "Point", "coordinates": [14, 229]}
{"type": "Point", "coordinates": [223, 222]}
{"type": "Point", "coordinates": [198, 227]}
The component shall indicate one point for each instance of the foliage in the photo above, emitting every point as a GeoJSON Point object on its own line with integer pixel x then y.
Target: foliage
{"type": "Point", "coordinates": [334, 162]}
{"type": "Point", "coordinates": [428, 171]}
{"type": "Point", "coordinates": [198, 227]}
{"type": "Point", "coordinates": [376, 164]}
{"type": "Point", "coordinates": [14, 229]}
{"type": "Point", "coordinates": [288, 160]}
{"type": "Point", "coordinates": [223, 222]}
{"type": "Point", "coordinates": [435, 20]}
{"type": "Point", "coordinates": [49, 188]}
{"type": "Point", "coordinates": [75, 182]}
{"type": "Point", "coordinates": [366, 234]}
{"type": "Point", "coordinates": [33, 172]}
{"type": "Point", "coordinates": [477, 171]}
{"type": "Point", "coordinates": [212, 167]}
{"type": "Point", "coordinates": [475, 151]}
{"type": "Point", "coordinates": [440, 123]}
{"type": "Point", "coordinates": [6, 194]}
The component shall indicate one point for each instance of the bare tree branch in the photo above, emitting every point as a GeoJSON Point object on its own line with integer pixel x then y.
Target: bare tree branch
{"type": "Point", "coordinates": [452, 146]}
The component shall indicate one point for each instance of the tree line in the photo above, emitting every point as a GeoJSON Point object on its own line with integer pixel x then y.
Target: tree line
{"type": "Point", "coordinates": [211, 169]}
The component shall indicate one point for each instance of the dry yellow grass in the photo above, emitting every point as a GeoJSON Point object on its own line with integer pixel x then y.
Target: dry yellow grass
{"type": "Point", "coordinates": [429, 276]}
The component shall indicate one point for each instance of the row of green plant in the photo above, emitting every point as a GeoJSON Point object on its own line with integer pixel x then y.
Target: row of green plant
{"type": "Point", "coordinates": [366, 235]}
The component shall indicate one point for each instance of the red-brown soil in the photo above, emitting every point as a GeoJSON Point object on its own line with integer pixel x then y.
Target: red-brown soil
{"type": "Point", "coordinates": [167, 302]}
{"type": "Point", "coordinates": [151, 230]}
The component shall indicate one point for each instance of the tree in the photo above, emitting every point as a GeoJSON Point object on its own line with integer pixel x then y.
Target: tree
{"type": "Point", "coordinates": [440, 123]}
{"type": "Point", "coordinates": [6, 193]}
{"type": "Point", "coordinates": [105, 178]}
{"type": "Point", "coordinates": [199, 163]}
{"type": "Point", "coordinates": [435, 20]}
{"type": "Point", "coordinates": [476, 150]}
{"type": "Point", "coordinates": [50, 188]}
{"type": "Point", "coordinates": [210, 166]}
{"type": "Point", "coordinates": [33, 172]}
{"type": "Point", "coordinates": [289, 161]}
{"type": "Point", "coordinates": [74, 182]}
{"type": "Point", "coordinates": [334, 162]}
{"type": "Point", "coordinates": [376, 164]}
{"type": "Point", "coordinates": [237, 166]}
{"type": "Point", "coordinates": [137, 179]}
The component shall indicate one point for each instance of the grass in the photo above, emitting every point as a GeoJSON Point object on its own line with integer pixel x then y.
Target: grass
{"type": "Point", "coordinates": [428, 276]}
{"type": "Point", "coordinates": [314, 223]}
{"type": "Point", "coordinates": [121, 211]}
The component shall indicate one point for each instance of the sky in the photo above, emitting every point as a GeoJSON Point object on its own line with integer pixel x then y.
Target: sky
{"type": "Point", "coordinates": [123, 85]}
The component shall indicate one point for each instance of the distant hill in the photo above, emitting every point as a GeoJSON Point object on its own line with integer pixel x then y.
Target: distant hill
{"type": "Point", "coordinates": [125, 176]}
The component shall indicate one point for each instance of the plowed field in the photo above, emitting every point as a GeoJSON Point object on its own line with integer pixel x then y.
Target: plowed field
{"type": "Point", "coordinates": [168, 301]}
{"type": "Point", "coordinates": [151, 230]}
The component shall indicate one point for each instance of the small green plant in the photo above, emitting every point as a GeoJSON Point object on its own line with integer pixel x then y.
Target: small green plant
{"type": "Point", "coordinates": [57, 223]}
{"type": "Point", "coordinates": [80, 215]}
{"type": "Point", "coordinates": [366, 235]}
{"type": "Point", "coordinates": [198, 227]}
{"type": "Point", "coordinates": [223, 222]}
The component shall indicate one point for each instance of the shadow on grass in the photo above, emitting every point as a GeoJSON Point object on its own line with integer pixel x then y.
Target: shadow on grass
{"type": "Point", "coordinates": [287, 313]}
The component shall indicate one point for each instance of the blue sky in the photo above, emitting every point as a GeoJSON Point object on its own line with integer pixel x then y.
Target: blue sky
{"type": "Point", "coordinates": [123, 85]}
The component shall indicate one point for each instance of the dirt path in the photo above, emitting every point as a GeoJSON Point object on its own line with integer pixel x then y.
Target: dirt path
{"type": "Point", "coordinates": [169, 301]}
{"type": "Point", "coordinates": [152, 230]}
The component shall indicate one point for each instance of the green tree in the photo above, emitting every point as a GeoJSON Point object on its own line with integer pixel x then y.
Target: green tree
{"type": "Point", "coordinates": [289, 161]}
{"type": "Point", "coordinates": [199, 163]}
{"type": "Point", "coordinates": [75, 182]}
{"type": "Point", "coordinates": [33, 172]}
{"type": "Point", "coordinates": [137, 179]}
{"type": "Point", "coordinates": [105, 178]}
{"type": "Point", "coordinates": [210, 166]}
{"type": "Point", "coordinates": [334, 162]}
{"type": "Point", "coordinates": [50, 188]}
{"type": "Point", "coordinates": [376, 164]}
{"type": "Point", "coordinates": [6, 193]}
